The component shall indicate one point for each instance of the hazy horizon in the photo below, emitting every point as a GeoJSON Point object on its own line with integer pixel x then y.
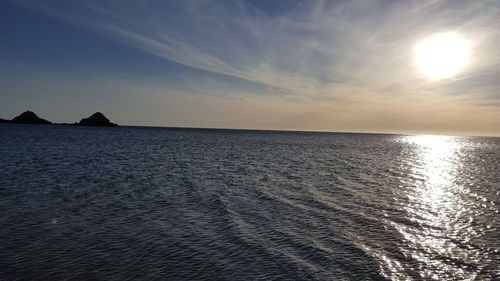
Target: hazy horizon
{"type": "Point", "coordinates": [275, 130]}
{"type": "Point", "coordinates": [335, 66]}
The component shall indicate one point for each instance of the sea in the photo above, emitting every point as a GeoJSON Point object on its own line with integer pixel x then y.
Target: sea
{"type": "Point", "coordinates": [146, 203]}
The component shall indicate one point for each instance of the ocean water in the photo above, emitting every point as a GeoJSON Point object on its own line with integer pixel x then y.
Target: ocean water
{"type": "Point", "coordinates": [132, 203]}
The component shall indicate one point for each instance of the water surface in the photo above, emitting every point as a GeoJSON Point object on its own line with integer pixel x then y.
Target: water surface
{"type": "Point", "coordinates": [133, 203]}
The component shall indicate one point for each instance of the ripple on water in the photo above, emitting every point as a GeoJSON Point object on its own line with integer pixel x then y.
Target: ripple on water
{"type": "Point", "coordinates": [186, 204]}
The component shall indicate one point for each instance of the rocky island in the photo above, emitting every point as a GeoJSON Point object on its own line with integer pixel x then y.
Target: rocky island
{"type": "Point", "coordinates": [97, 119]}
{"type": "Point", "coordinates": [29, 117]}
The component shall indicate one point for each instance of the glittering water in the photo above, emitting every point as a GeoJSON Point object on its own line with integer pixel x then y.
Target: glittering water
{"type": "Point", "coordinates": [185, 204]}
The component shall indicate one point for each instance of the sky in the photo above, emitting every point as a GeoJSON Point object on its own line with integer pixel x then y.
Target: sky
{"type": "Point", "coordinates": [314, 65]}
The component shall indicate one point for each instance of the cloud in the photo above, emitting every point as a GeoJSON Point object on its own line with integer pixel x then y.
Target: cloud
{"type": "Point", "coordinates": [309, 50]}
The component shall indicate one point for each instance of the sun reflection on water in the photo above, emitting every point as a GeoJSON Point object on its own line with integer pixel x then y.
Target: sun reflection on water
{"type": "Point", "coordinates": [438, 159]}
{"type": "Point", "coordinates": [439, 211]}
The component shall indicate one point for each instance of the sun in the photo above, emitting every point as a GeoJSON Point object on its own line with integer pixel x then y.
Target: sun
{"type": "Point", "coordinates": [442, 55]}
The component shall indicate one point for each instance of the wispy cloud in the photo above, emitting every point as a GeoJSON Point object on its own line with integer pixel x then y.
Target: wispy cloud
{"type": "Point", "coordinates": [312, 50]}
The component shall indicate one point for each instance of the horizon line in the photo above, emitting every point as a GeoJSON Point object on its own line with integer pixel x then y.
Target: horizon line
{"type": "Point", "coordinates": [288, 130]}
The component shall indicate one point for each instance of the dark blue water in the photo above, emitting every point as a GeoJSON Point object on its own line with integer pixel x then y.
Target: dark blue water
{"type": "Point", "coordinates": [190, 204]}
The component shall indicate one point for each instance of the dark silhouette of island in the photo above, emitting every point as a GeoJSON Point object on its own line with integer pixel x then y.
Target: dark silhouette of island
{"type": "Point", "coordinates": [97, 119]}
{"type": "Point", "coordinates": [28, 117]}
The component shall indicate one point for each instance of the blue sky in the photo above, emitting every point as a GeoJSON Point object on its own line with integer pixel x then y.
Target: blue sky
{"type": "Point", "coordinates": [300, 65]}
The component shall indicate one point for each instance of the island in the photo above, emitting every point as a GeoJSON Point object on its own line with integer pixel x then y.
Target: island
{"type": "Point", "coordinates": [28, 117]}
{"type": "Point", "coordinates": [97, 119]}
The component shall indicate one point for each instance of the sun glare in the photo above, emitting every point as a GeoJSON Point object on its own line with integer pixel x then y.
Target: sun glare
{"type": "Point", "coordinates": [442, 55]}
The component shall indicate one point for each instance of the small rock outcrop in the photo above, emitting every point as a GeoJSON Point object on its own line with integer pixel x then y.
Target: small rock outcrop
{"type": "Point", "coordinates": [97, 119]}
{"type": "Point", "coordinates": [29, 117]}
